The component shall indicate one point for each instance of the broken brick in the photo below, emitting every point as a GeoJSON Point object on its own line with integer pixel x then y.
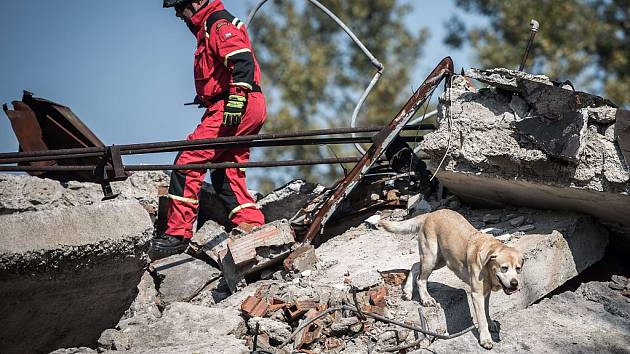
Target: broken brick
{"type": "Point", "coordinates": [377, 297]}
{"type": "Point", "coordinates": [299, 308]}
{"type": "Point", "coordinates": [255, 307]}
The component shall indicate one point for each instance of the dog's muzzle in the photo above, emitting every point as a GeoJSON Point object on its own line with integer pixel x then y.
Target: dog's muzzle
{"type": "Point", "coordinates": [508, 290]}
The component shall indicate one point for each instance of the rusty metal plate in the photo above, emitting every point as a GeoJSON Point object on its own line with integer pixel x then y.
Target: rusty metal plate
{"type": "Point", "coordinates": [40, 124]}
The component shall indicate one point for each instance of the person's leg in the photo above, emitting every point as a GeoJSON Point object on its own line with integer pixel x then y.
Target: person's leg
{"type": "Point", "coordinates": [185, 186]}
{"type": "Point", "coordinates": [230, 183]}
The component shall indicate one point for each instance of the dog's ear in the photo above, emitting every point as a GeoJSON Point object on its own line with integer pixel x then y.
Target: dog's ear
{"type": "Point", "coordinates": [486, 255]}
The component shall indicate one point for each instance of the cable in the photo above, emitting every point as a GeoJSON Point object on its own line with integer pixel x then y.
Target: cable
{"type": "Point", "coordinates": [450, 126]}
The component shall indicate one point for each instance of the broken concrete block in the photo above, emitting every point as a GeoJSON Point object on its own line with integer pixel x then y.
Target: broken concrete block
{"type": "Point", "coordinates": [517, 221]}
{"type": "Point", "coordinates": [277, 331]}
{"type": "Point", "coordinates": [146, 302]}
{"type": "Point", "coordinates": [364, 280]}
{"type": "Point", "coordinates": [503, 161]}
{"type": "Point", "coordinates": [211, 239]}
{"type": "Point", "coordinates": [505, 79]}
{"type": "Point", "coordinates": [54, 265]}
{"type": "Point", "coordinates": [212, 294]}
{"type": "Point", "coordinates": [187, 328]}
{"type": "Point", "coordinates": [301, 260]}
{"type": "Point", "coordinates": [286, 201]}
{"type": "Point", "coordinates": [603, 115]}
{"type": "Point", "coordinates": [262, 248]}
{"type": "Point", "coordinates": [181, 277]}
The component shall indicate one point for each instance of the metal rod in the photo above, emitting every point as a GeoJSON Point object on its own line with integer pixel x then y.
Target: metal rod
{"type": "Point", "coordinates": [216, 166]}
{"type": "Point", "coordinates": [223, 142]}
{"type": "Point", "coordinates": [534, 29]}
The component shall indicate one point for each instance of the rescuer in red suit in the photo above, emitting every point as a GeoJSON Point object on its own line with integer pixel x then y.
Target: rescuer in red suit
{"type": "Point", "coordinates": [226, 80]}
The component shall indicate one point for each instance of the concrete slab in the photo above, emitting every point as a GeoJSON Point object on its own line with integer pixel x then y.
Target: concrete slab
{"type": "Point", "coordinates": [68, 273]}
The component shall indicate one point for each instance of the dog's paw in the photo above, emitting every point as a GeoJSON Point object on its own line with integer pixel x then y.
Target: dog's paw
{"type": "Point", "coordinates": [407, 295]}
{"type": "Point", "coordinates": [429, 302]}
{"type": "Point", "coordinates": [486, 343]}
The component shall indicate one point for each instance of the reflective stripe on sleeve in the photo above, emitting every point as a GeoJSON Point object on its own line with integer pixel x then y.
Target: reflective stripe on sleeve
{"type": "Point", "coordinates": [182, 199]}
{"type": "Point", "coordinates": [244, 50]}
{"type": "Point", "coordinates": [241, 207]}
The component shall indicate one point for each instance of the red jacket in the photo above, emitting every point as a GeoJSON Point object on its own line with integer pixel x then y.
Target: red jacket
{"type": "Point", "coordinates": [224, 55]}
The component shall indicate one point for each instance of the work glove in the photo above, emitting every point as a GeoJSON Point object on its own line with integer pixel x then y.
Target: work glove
{"type": "Point", "coordinates": [235, 106]}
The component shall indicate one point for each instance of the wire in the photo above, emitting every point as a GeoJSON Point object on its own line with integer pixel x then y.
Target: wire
{"type": "Point", "coordinates": [450, 125]}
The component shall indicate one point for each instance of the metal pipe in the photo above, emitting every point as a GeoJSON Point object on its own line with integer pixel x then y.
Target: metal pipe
{"type": "Point", "coordinates": [258, 164]}
{"type": "Point", "coordinates": [377, 64]}
{"type": "Point", "coordinates": [261, 140]}
{"type": "Point", "coordinates": [534, 29]}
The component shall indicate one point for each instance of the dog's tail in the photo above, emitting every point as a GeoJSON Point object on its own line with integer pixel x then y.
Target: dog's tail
{"type": "Point", "coordinates": [404, 227]}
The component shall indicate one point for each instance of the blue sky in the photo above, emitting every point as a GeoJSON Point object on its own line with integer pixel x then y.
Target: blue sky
{"type": "Point", "coordinates": [125, 67]}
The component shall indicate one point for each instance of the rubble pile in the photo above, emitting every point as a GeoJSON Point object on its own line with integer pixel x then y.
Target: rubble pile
{"type": "Point", "coordinates": [69, 263]}
{"type": "Point", "coordinates": [525, 141]}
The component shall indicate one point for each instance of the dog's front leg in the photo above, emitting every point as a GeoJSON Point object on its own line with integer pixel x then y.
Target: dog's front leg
{"type": "Point", "coordinates": [492, 325]}
{"type": "Point", "coordinates": [484, 334]}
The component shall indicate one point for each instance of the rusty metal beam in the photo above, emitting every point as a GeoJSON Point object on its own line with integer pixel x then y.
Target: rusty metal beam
{"type": "Point", "coordinates": [381, 142]}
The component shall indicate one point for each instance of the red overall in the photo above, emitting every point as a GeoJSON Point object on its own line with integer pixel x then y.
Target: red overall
{"type": "Point", "coordinates": [223, 58]}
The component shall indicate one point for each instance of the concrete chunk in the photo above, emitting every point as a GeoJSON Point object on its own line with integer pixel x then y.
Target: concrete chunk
{"type": "Point", "coordinates": [187, 328]}
{"type": "Point", "coordinates": [181, 277]}
{"type": "Point", "coordinates": [541, 148]}
{"type": "Point", "coordinates": [72, 271]}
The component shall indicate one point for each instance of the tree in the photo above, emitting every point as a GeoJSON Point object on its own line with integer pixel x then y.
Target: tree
{"type": "Point", "coordinates": [314, 74]}
{"type": "Point", "coordinates": [586, 41]}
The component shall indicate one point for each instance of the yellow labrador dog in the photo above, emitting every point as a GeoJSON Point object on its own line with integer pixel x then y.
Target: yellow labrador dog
{"type": "Point", "coordinates": [446, 238]}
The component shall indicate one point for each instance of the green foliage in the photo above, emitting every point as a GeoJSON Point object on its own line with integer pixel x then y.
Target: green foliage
{"type": "Point", "coordinates": [586, 41]}
{"type": "Point", "coordinates": [314, 74]}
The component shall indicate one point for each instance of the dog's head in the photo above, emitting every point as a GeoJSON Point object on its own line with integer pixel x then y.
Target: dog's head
{"type": "Point", "coordinates": [504, 265]}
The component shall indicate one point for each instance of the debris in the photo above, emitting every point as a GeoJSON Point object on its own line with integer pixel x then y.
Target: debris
{"type": "Point", "coordinates": [277, 331]}
{"type": "Point", "coordinates": [416, 204]}
{"type": "Point", "coordinates": [182, 277]}
{"type": "Point", "coordinates": [492, 218]}
{"type": "Point", "coordinates": [517, 221]}
{"type": "Point", "coordinates": [373, 220]}
{"type": "Point", "coordinates": [255, 307]}
{"type": "Point", "coordinates": [301, 260]}
{"type": "Point", "coordinates": [311, 332]}
{"type": "Point", "coordinates": [73, 269]}
{"type": "Point", "coordinates": [537, 149]}
{"type": "Point", "coordinates": [395, 277]}
{"type": "Point", "coordinates": [366, 279]}
{"type": "Point", "coordinates": [262, 248]}
{"type": "Point", "coordinates": [40, 125]}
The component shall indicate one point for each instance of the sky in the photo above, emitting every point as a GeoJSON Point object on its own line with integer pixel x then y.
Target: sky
{"type": "Point", "coordinates": [125, 67]}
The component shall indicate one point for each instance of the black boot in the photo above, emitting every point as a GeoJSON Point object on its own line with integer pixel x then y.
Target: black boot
{"type": "Point", "coordinates": [167, 245]}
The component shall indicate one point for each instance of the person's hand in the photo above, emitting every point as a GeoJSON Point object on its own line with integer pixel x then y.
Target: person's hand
{"type": "Point", "coordinates": [235, 107]}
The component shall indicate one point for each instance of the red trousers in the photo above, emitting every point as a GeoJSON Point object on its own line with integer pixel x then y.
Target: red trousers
{"type": "Point", "coordinates": [228, 183]}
